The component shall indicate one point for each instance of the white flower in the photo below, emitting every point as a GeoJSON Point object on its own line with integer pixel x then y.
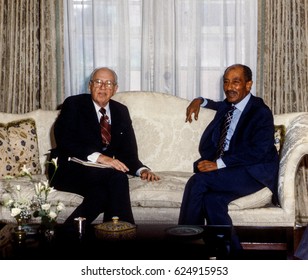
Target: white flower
{"type": "Point", "coordinates": [8, 177]}
{"type": "Point", "coordinates": [39, 205]}
{"type": "Point", "coordinates": [38, 188]}
{"type": "Point", "coordinates": [9, 203]}
{"type": "Point", "coordinates": [54, 161]}
{"type": "Point", "coordinates": [52, 215]}
{"type": "Point", "coordinates": [46, 206]}
{"type": "Point", "coordinates": [44, 185]}
{"type": "Point", "coordinates": [25, 171]}
{"type": "Point", "coordinates": [15, 212]}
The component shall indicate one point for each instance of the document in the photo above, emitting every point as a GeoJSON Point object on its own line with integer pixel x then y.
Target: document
{"type": "Point", "coordinates": [89, 163]}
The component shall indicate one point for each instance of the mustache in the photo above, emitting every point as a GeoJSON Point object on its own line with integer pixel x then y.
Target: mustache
{"type": "Point", "coordinates": [231, 92]}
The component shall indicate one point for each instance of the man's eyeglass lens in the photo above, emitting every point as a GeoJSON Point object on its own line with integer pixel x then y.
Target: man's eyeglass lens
{"type": "Point", "coordinates": [108, 84]}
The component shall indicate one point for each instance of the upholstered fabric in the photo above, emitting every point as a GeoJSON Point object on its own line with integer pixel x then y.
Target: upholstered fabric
{"type": "Point", "coordinates": [27, 191]}
{"type": "Point", "coordinates": [44, 130]}
{"type": "Point", "coordinates": [259, 199]}
{"type": "Point", "coordinates": [293, 150]}
{"type": "Point", "coordinates": [7, 186]}
{"type": "Point", "coordinates": [167, 192]}
{"type": "Point", "coordinates": [165, 140]}
{"type": "Point", "coordinates": [169, 146]}
{"type": "Point", "coordinates": [19, 147]}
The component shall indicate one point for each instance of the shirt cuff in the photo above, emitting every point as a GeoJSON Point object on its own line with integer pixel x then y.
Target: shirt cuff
{"type": "Point", "coordinates": [138, 172]}
{"type": "Point", "coordinates": [93, 157]}
{"type": "Point", "coordinates": [204, 101]}
{"type": "Point", "coordinates": [220, 163]}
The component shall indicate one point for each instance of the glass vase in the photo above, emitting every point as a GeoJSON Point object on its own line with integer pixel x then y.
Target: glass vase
{"type": "Point", "coordinates": [47, 228]}
{"type": "Point", "coordinates": [19, 232]}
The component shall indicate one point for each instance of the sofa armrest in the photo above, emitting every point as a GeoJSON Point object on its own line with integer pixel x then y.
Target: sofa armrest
{"type": "Point", "coordinates": [293, 151]}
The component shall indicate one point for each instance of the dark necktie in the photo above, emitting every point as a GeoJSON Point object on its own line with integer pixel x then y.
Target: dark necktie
{"type": "Point", "coordinates": [105, 127]}
{"type": "Point", "coordinates": [223, 133]}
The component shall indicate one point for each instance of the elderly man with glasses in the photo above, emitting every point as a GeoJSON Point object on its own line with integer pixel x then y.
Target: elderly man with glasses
{"type": "Point", "coordinates": [95, 128]}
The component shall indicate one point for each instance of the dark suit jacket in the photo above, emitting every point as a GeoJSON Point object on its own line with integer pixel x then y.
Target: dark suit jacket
{"type": "Point", "coordinates": [77, 132]}
{"type": "Point", "coordinates": [252, 145]}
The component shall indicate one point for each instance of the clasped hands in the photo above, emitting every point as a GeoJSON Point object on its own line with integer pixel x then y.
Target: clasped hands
{"type": "Point", "coordinates": [146, 174]}
{"type": "Point", "coordinates": [206, 165]}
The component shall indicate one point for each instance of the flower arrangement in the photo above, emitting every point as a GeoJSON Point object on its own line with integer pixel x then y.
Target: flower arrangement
{"type": "Point", "coordinates": [20, 207]}
{"type": "Point", "coordinates": [42, 208]}
{"type": "Point", "coordinates": [38, 206]}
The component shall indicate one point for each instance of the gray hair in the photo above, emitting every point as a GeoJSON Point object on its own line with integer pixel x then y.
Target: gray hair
{"type": "Point", "coordinates": [115, 76]}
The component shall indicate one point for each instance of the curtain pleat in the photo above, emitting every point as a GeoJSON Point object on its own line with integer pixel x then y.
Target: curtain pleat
{"type": "Point", "coordinates": [283, 55]}
{"type": "Point", "coordinates": [283, 75]}
{"type": "Point", "coordinates": [180, 47]}
{"type": "Point", "coordinates": [31, 55]}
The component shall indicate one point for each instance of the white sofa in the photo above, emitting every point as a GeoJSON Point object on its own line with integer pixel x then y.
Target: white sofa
{"type": "Point", "coordinates": [169, 146]}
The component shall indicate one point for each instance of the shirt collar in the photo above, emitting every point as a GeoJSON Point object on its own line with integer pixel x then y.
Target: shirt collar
{"type": "Point", "coordinates": [242, 104]}
{"type": "Point", "coordinates": [97, 108]}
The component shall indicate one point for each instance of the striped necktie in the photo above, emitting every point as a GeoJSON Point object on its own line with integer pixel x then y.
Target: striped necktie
{"type": "Point", "coordinates": [105, 127]}
{"type": "Point", "coordinates": [223, 133]}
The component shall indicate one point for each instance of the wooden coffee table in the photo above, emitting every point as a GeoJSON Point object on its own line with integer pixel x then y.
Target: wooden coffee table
{"type": "Point", "coordinates": [152, 242]}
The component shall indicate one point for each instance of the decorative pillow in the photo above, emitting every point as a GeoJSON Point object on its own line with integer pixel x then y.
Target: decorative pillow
{"type": "Point", "coordinates": [18, 147]}
{"type": "Point", "coordinates": [258, 199]}
{"type": "Point", "coordinates": [279, 136]}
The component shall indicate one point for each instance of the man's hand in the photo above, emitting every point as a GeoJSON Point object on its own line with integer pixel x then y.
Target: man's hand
{"type": "Point", "coordinates": [148, 175]}
{"type": "Point", "coordinates": [193, 108]}
{"type": "Point", "coordinates": [115, 163]}
{"type": "Point", "coordinates": [206, 166]}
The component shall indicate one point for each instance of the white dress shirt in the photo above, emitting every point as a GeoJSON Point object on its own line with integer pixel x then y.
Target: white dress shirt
{"type": "Point", "coordinates": [94, 156]}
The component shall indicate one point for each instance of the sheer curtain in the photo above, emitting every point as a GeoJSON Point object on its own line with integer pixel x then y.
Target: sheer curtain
{"type": "Point", "coordinates": [180, 47]}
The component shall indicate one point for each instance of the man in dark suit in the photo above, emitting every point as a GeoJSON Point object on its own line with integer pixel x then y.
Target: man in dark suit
{"type": "Point", "coordinates": [78, 134]}
{"type": "Point", "coordinates": [249, 159]}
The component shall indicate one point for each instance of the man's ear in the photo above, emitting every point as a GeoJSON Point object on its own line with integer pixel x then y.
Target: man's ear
{"type": "Point", "coordinates": [115, 90]}
{"type": "Point", "coordinates": [249, 86]}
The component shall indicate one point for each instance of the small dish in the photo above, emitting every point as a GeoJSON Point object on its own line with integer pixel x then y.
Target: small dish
{"type": "Point", "coordinates": [185, 231]}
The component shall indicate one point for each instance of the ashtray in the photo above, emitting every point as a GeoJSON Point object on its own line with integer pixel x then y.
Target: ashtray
{"type": "Point", "coordinates": [185, 231]}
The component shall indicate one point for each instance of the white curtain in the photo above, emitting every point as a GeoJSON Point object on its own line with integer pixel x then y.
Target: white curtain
{"type": "Point", "coordinates": [179, 47]}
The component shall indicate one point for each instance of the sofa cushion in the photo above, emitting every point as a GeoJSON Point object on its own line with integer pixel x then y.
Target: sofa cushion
{"type": "Point", "coordinates": [18, 147]}
{"type": "Point", "coordinates": [168, 193]}
{"type": "Point", "coordinates": [27, 191]}
{"type": "Point", "coordinates": [256, 200]}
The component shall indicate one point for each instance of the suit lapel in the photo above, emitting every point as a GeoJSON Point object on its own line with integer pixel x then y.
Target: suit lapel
{"type": "Point", "coordinates": [213, 129]}
{"type": "Point", "coordinates": [244, 113]}
{"type": "Point", "coordinates": [90, 116]}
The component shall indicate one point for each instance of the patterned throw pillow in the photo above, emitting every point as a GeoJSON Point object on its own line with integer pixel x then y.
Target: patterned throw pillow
{"type": "Point", "coordinates": [18, 147]}
{"type": "Point", "coordinates": [279, 136]}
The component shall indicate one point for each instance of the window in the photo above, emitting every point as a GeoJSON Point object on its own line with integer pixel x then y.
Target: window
{"type": "Point", "coordinates": [179, 47]}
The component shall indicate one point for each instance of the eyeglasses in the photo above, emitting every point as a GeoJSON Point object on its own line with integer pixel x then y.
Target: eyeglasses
{"type": "Point", "coordinates": [108, 84]}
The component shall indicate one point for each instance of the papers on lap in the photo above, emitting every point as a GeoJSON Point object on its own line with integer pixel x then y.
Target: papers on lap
{"type": "Point", "coordinates": [89, 163]}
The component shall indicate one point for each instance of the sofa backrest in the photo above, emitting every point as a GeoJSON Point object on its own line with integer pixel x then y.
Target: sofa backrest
{"type": "Point", "coordinates": [165, 141]}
